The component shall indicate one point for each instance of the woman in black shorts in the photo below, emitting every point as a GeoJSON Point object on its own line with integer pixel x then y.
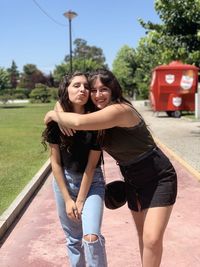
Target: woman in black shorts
{"type": "Point", "coordinates": [151, 180]}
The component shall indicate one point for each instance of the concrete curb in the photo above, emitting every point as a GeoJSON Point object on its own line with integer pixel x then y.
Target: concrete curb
{"type": "Point", "coordinates": [194, 172]}
{"type": "Point", "coordinates": [11, 213]}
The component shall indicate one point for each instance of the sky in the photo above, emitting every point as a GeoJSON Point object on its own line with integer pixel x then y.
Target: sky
{"type": "Point", "coordinates": [36, 31]}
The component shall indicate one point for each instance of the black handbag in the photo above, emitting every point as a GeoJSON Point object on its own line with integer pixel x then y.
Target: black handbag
{"type": "Point", "coordinates": [115, 194]}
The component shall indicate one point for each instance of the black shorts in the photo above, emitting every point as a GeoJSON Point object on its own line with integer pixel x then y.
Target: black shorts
{"type": "Point", "coordinates": [151, 182]}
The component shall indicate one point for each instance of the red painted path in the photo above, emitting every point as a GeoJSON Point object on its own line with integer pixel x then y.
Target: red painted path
{"type": "Point", "coordinates": [37, 239]}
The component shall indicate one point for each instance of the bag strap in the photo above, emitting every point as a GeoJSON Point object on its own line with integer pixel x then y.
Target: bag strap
{"type": "Point", "coordinates": [103, 166]}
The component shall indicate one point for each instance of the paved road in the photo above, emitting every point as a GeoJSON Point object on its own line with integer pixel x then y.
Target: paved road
{"type": "Point", "coordinates": [37, 239]}
{"type": "Point", "coordinates": [180, 135]}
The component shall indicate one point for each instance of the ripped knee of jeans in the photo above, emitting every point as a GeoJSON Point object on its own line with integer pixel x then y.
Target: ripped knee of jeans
{"type": "Point", "coordinates": [90, 238]}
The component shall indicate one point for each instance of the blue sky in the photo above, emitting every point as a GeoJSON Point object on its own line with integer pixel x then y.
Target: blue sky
{"type": "Point", "coordinates": [28, 36]}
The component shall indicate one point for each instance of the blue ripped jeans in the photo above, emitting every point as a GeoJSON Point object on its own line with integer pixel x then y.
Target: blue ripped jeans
{"type": "Point", "coordinates": [83, 253]}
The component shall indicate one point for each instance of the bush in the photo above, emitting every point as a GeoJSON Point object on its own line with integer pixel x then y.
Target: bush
{"type": "Point", "coordinates": [40, 94]}
{"type": "Point", "coordinates": [4, 98]}
{"type": "Point", "coordinates": [21, 93]}
{"type": "Point", "coordinates": [53, 92]}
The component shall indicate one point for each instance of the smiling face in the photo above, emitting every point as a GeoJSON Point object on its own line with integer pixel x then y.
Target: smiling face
{"type": "Point", "coordinates": [100, 94]}
{"type": "Point", "coordinates": [78, 91]}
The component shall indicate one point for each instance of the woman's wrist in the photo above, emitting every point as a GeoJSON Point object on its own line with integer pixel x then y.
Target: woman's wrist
{"type": "Point", "coordinates": [81, 201]}
{"type": "Point", "coordinates": [67, 198]}
{"type": "Point", "coordinates": [53, 115]}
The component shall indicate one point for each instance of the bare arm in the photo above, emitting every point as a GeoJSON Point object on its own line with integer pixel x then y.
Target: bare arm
{"type": "Point", "coordinates": [114, 115]}
{"type": "Point", "coordinates": [58, 107]}
{"type": "Point", "coordinates": [59, 176]}
{"type": "Point", "coordinates": [64, 130]}
{"type": "Point", "coordinates": [87, 179]}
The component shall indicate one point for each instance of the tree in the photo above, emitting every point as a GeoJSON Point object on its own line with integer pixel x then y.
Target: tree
{"type": "Point", "coordinates": [148, 55]}
{"type": "Point", "coordinates": [50, 80]}
{"type": "Point", "coordinates": [30, 76]}
{"type": "Point", "coordinates": [178, 37]}
{"type": "Point", "coordinates": [124, 67]}
{"type": "Point", "coordinates": [85, 57]}
{"type": "Point", "coordinates": [78, 64]}
{"type": "Point", "coordinates": [180, 31]}
{"type": "Point", "coordinates": [60, 71]}
{"type": "Point", "coordinates": [4, 79]}
{"type": "Point", "coordinates": [87, 65]}
{"type": "Point", "coordinates": [84, 51]}
{"type": "Point", "coordinates": [14, 74]}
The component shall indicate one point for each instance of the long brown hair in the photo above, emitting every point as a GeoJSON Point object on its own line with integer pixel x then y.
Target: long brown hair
{"type": "Point", "coordinates": [108, 79]}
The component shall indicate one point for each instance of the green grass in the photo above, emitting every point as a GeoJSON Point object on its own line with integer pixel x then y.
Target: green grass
{"type": "Point", "coordinates": [21, 152]}
{"type": "Point", "coordinates": [188, 115]}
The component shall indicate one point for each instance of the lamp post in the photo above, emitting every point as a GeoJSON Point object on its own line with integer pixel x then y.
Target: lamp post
{"type": "Point", "coordinates": [70, 15]}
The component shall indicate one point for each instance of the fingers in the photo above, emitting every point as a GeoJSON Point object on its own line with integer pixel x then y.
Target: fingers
{"type": "Point", "coordinates": [73, 214]}
{"type": "Point", "coordinates": [79, 209]}
{"type": "Point", "coordinates": [67, 131]}
{"type": "Point", "coordinates": [61, 129]}
{"type": "Point", "coordinates": [75, 211]}
{"type": "Point", "coordinates": [79, 214]}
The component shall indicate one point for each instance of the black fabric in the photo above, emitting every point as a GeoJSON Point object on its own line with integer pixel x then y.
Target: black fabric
{"type": "Point", "coordinates": [53, 136]}
{"type": "Point", "coordinates": [115, 194]}
{"type": "Point", "coordinates": [151, 182]}
{"type": "Point", "coordinates": [126, 144]}
{"type": "Point", "coordinates": [74, 149]}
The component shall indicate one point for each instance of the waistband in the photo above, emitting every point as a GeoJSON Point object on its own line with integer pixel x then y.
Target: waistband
{"type": "Point", "coordinates": [140, 158]}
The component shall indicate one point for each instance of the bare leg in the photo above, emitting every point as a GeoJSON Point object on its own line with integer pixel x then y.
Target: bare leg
{"type": "Point", "coordinates": [139, 223]}
{"type": "Point", "coordinates": [150, 225]}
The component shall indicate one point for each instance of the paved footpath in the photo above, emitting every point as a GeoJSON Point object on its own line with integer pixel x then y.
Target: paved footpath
{"type": "Point", "coordinates": [38, 241]}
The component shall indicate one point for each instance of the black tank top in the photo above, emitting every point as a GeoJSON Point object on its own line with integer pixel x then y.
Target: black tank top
{"type": "Point", "coordinates": [127, 144]}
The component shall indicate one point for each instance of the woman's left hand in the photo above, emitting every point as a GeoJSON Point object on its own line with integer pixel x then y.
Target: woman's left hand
{"type": "Point", "coordinates": [67, 131]}
{"type": "Point", "coordinates": [79, 205]}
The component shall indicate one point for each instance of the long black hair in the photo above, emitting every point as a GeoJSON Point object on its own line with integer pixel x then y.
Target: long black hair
{"type": "Point", "coordinates": [52, 128]}
{"type": "Point", "coordinates": [63, 95]}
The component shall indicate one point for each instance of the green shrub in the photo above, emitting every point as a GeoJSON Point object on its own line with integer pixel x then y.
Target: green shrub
{"type": "Point", "coordinates": [53, 92]}
{"type": "Point", "coordinates": [40, 94]}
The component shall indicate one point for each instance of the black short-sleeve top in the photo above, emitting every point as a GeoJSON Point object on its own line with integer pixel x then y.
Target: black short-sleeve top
{"type": "Point", "coordinates": [74, 150]}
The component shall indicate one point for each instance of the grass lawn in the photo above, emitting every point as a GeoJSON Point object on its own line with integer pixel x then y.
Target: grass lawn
{"type": "Point", "coordinates": [21, 152]}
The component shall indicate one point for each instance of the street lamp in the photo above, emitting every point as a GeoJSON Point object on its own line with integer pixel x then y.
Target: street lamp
{"type": "Point", "coordinates": [70, 15]}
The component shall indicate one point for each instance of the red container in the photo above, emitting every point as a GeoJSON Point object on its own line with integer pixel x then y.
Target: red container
{"type": "Point", "coordinates": [173, 88]}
